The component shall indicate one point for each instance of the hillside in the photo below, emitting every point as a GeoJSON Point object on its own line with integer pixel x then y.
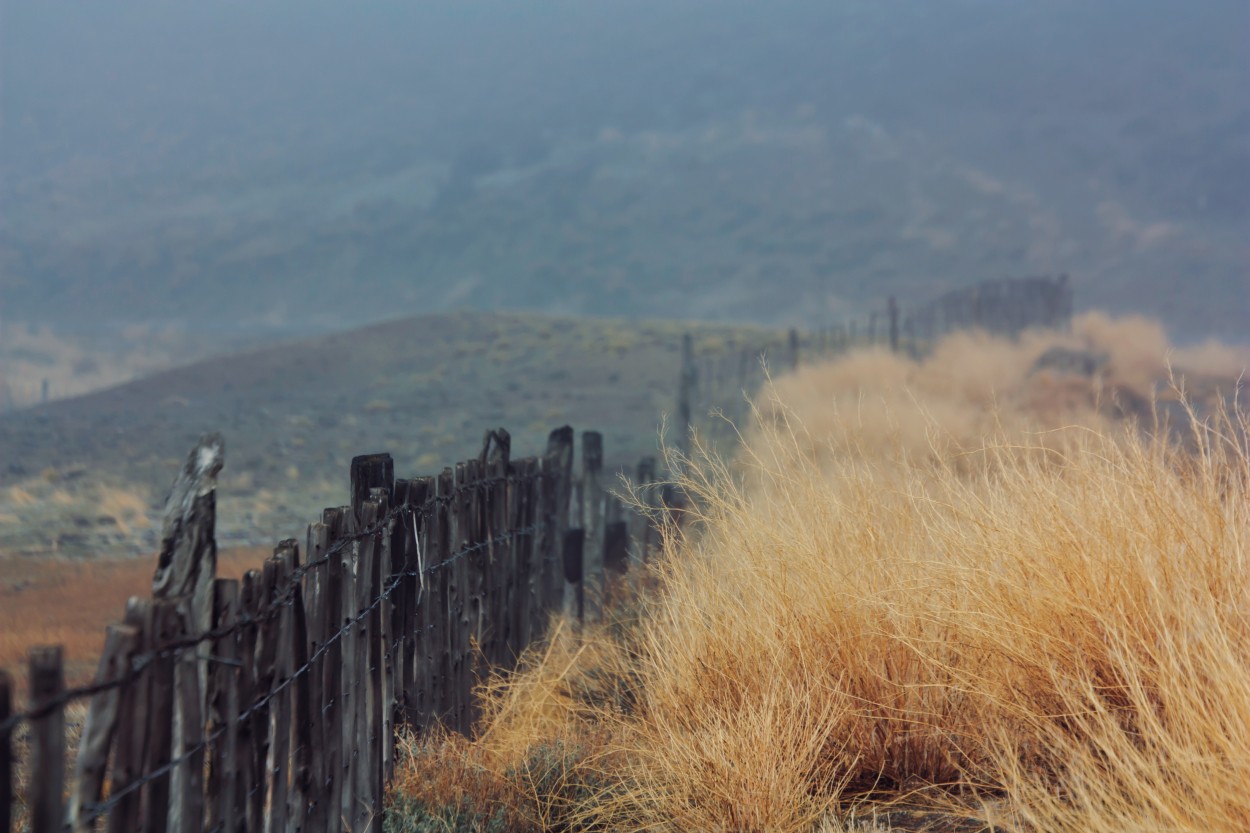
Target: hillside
{"type": "Point", "coordinates": [85, 476]}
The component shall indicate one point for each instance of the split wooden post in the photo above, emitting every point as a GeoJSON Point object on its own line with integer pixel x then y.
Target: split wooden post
{"type": "Point", "coordinates": [223, 708]}
{"type": "Point", "coordinates": [305, 690]}
{"type": "Point", "coordinates": [132, 713]}
{"type": "Point", "coordinates": [160, 716]}
{"type": "Point", "coordinates": [594, 581]}
{"type": "Point", "coordinates": [186, 810]}
{"type": "Point", "coordinates": [121, 642]}
{"type": "Point", "coordinates": [47, 729]}
{"type": "Point", "coordinates": [559, 468]}
{"type": "Point", "coordinates": [249, 801]}
{"type": "Point", "coordinates": [333, 712]}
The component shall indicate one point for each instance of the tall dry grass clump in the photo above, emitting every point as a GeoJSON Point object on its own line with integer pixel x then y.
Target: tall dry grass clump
{"type": "Point", "coordinates": [990, 594]}
{"type": "Point", "coordinates": [1051, 632]}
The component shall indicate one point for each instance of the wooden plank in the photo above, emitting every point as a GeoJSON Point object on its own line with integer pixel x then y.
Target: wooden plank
{"type": "Point", "coordinates": [304, 692]}
{"type": "Point", "coordinates": [377, 725]}
{"type": "Point", "coordinates": [350, 688]}
{"type": "Point", "coordinates": [462, 536]}
{"type": "Point", "coordinates": [268, 642]}
{"type": "Point", "coordinates": [369, 472]}
{"type": "Point", "coordinates": [442, 618]}
{"type": "Point", "coordinates": [560, 471]}
{"type": "Point", "coordinates": [504, 581]}
{"type": "Point", "coordinates": [522, 593]}
{"type": "Point", "coordinates": [121, 642]}
{"type": "Point", "coordinates": [424, 656]}
{"type": "Point", "coordinates": [574, 541]}
{"type": "Point", "coordinates": [6, 753]}
{"type": "Point", "coordinates": [477, 626]}
{"type": "Point", "coordinates": [160, 716]}
{"type": "Point", "coordinates": [386, 646]}
{"type": "Point", "coordinates": [594, 581]}
{"type": "Point", "coordinates": [328, 810]}
{"type": "Point", "coordinates": [248, 807]}
{"type": "Point", "coordinates": [186, 811]}
{"type": "Point", "coordinates": [132, 728]}
{"type": "Point", "coordinates": [47, 732]}
{"type": "Point", "coordinates": [223, 709]}
{"type": "Point", "coordinates": [278, 761]}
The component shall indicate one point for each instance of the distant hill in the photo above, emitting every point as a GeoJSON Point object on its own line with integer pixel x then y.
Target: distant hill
{"type": "Point", "coordinates": [205, 166]}
{"type": "Point", "coordinates": [87, 475]}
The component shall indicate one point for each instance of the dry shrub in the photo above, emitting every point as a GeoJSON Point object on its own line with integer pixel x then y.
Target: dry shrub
{"type": "Point", "coordinates": [974, 386]}
{"type": "Point", "coordinates": [905, 593]}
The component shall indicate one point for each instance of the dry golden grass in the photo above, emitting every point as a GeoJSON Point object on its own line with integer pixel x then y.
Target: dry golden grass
{"type": "Point", "coordinates": [55, 601]}
{"type": "Point", "coordinates": [980, 595]}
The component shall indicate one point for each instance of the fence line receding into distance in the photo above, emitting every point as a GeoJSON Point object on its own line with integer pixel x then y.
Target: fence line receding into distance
{"type": "Point", "coordinates": [273, 703]}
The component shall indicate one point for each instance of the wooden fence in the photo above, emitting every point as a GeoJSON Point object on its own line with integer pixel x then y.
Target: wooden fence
{"type": "Point", "coordinates": [716, 385]}
{"type": "Point", "coordinates": [273, 704]}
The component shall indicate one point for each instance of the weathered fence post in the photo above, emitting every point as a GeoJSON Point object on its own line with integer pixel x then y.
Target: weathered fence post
{"type": "Point", "coordinates": [574, 570]}
{"type": "Point", "coordinates": [593, 577]}
{"type": "Point", "coordinates": [250, 800]}
{"type": "Point", "coordinates": [133, 716]}
{"type": "Point", "coordinates": [223, 708]}
{"type": "Point", "coordinates": [334, 673]}
{"type": "Point", "coordinates": [793, 345]}
{"type": "Point", "coordinates": [186, 809]}
{"type": "Point", "coordinates": [160, 715]}
{"type": "Point", "coordinates": [559, 466]}
{"type": "Point", "coordinates": [120, 644]}
{"type": "Point", "coordinates": [47, 729]}
{"type": "Point", "coordinates": [305, 691]}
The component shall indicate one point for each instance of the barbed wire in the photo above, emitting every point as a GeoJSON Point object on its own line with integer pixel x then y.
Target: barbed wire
{"type": "Point", "coordinates": [95, 811]}
{"type": "Point", "coordinates": [279, 598]}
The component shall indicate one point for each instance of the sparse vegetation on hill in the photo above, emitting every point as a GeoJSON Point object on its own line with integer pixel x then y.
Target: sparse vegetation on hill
{"type": "Point", "coordinates": [1035, 621]}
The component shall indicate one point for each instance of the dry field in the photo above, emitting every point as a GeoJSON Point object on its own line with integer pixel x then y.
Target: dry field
{"type": "Point", "coordinates": [69, 602]}
{"type": "Point", "coordinates": [906, 605]}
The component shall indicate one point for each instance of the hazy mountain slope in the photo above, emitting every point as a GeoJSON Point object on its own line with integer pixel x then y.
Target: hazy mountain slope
{"type": "Point", "coordinates": [87, 475]}
{"type": "Point", "coordinates": [277, 167]}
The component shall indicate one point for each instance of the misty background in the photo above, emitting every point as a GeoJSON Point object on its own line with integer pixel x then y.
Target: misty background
{"type": "Point", "coordinates": [250, 169]}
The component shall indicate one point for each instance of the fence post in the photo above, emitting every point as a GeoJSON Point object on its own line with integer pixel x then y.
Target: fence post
{"type": "Point", "coordinates": [187, 781]}
{"type": "Point", "coordinates": [574, 570]}
{"type": "Point", "coordinates": [47, 756]}
{"type": "Point", "coordinates": [250, 801]}
{"type": "Point", "coordinates": [120, 644]}
{"type": "Point", "coordinates": [223, 707]}
{"type": "Point", "coordinates": [593, 579]}
{"type": "Point", "coordinates": [303, 691]}
{"type": "Point", "coordinates": [351, 691]}
{"type": "Point", "coordinates": [133, 726]}
{"type": "Point", "coordinates": [333, 713]}
{"type": "Point", "coordinates": [160, 715]}
{"type": "Point", "coordinates": [282, 636]}
{"type": "Point", "coordinates": [559, 467]}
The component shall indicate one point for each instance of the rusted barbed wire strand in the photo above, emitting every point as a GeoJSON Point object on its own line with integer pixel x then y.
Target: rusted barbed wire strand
{"type": "Point", "coordinates": [282, 599]}
{"type": "Point", "coordinates": [92, 812]}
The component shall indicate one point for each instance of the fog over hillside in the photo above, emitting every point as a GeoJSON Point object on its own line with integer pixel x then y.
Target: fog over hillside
{"type": "Point", "coordinates": [254, 168]}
